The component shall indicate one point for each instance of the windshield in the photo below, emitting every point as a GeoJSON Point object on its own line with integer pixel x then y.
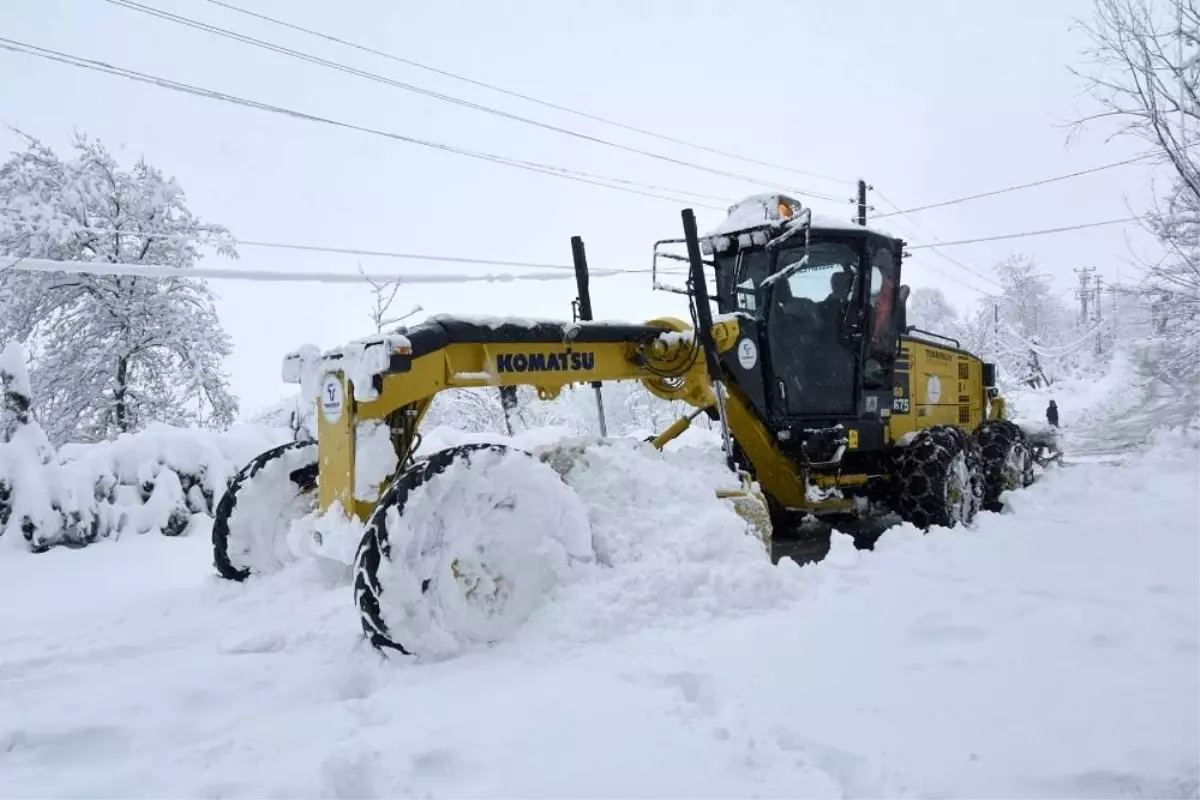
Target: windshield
{"type": "Point", "coordinates": [828, 277]}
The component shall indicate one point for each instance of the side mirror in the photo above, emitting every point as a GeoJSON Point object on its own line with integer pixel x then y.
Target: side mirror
{"type": "Point", "coordinates": [902, 307]}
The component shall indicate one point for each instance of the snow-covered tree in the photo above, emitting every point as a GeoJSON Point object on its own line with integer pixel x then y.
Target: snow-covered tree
{"type": "Point", "coordinates": [110, 354]}
{"type": "Point", "coordinates": [1145, 75]}
{"type": "Point", "coordinates": [1024, 328]}
{"type": "Point", "coordinates": [929, 309]}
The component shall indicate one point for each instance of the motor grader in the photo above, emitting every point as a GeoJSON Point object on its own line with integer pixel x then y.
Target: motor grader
{"type": "Point", "coordinates": [829, 404]}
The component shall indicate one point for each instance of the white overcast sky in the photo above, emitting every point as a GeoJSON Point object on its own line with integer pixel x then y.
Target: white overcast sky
{"type": "Point", "coordinates": [928, 100]}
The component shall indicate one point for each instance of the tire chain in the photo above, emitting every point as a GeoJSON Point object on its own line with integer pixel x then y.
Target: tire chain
{"type": "Point", "coordinates": [921, 474]}
{"type": "Point", "coordinates": [996, 441]}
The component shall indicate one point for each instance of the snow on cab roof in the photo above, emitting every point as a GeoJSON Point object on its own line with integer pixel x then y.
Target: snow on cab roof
{"type": "Point", "coordinates": [776, 209]}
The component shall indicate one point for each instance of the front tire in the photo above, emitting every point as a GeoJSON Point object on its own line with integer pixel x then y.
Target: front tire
{"type": "Point", "coordinates": [463, 547]}
{"type": "Point", "coordinates": [250, 527]}
{"type": "Point", "coordinates": [940, 478]}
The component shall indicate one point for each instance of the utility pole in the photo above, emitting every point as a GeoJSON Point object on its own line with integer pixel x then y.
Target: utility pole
{"type": "Point", "coordinates": [1116, 313]}
{"type": "Point", "coordinates": [1083, 293]}
{"type": "Point", "coordinates": [1099, 298]}
{"type": "Point", "coordinates": [862, 202]}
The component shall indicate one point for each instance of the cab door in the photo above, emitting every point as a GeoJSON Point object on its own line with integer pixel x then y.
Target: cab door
{"type": "Point", "coordinates": [813, 361]}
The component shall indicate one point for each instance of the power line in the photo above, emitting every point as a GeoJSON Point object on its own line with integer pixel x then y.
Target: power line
{"type": "Point", "coordinates": [372, 76]}
{"type": "Point", "coordinates": [969, 287]}
{"type": "Point", "coordinates": [492, 262]}
{"type": "Point", "coordinates": [1028, 233]}
{"type": "Point", "coordinates": [972, 270]}
{"type": "Point", "coordinates": [325, 249]}
{"type": "Point", "coordinates": [994, 192]}
{"type": "Point", "coordinates": [518, 95]}
{"type": "Point", "coordinates": [166, 83]}
{"type": "Point", "coordinates": [260, 276]}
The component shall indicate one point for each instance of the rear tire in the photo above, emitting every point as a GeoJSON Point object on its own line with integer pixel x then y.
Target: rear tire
{"type": "Point", "coordinates": [250, 527]}
{"type": "Point", "coordinates": [1007, 460]}
{"type": "Point", "coordinates": [940, 478]}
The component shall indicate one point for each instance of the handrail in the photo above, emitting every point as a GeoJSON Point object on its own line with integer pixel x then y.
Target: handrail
{"type": "Point", "coordinates": [912, 328]}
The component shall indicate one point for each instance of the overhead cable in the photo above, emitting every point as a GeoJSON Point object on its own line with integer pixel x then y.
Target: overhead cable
{"type": "Point", "coordinates": [978, 273]}
{"type": "Point", "coordinates": [1024, 234]}
{"type": "Point", "coordinates": [353, 251]}
{"type": "Point", "coordinates": [1007, 189]}
{"type": "Point", "coordinates": [372, 76]}
{"type": "Point", "coordinates": [166, 83]}
{"type": "Point", "coordinates": [520, 96]}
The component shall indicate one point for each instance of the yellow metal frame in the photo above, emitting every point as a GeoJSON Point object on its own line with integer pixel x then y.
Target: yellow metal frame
{"type": "Point", "coordinates": [944, 386]}
{"type": "Point", "coordinates": [472, 365]}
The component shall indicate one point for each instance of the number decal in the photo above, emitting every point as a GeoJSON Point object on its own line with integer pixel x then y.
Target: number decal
{"type": "Point", "coordinates": [900, 405]}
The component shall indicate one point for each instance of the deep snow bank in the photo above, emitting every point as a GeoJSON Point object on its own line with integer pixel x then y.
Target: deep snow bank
{"type": "Point", "coordinates": [1048, 652]}
{"type": "Point", "coordinates": [1086, 400]}
{"type": "Point", "coordinates": [156, 480]}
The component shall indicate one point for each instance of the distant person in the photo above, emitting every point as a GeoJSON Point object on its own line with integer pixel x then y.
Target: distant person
{"type": "Point", "coordinates": [1052, 414]}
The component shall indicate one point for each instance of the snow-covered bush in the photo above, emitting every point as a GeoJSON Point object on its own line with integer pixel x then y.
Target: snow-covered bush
{"type": "Point", "coordinates": [296, 414]}
{"type": "Point", "coordinates": [155, 480]}
{"type": "Point", "coordinates": [152, 481]}
{"type": "Point", "coordinates": [25, 506]}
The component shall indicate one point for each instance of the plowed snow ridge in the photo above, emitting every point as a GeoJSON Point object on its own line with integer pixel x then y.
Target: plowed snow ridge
{"type": "Point", "coordinates": [1051, 651]}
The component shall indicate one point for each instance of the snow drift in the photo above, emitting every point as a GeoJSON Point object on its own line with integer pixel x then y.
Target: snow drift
{"type": "Point", "coordinates": [1050, 651]}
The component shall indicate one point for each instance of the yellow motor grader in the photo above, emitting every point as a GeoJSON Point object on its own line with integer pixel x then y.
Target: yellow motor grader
{"type": "Point", "coordinates": [829, 404]}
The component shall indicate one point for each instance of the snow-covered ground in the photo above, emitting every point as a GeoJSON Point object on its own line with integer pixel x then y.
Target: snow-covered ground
{"type": "Point", "coordinates": [1052, 651]}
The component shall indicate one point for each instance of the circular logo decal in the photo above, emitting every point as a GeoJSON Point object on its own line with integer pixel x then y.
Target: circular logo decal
{"type": "Point", "coordinates": [933, 390]}
{"type": "Point", "coordinates": [332, 398]}
{"type": "Point", "coordinates": [747, 353]}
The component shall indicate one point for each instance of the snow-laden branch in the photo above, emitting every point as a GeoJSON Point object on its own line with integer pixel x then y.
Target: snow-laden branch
{"type": "Point", "coordinates": [1063, 349]}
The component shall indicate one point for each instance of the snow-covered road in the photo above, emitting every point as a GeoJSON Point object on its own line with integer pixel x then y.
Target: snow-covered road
{"type": "Point", "coordinates": [1052, 651]}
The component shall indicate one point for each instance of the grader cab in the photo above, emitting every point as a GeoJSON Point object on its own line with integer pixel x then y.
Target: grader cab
{"type": "Point", "coordinates": [829, 404]}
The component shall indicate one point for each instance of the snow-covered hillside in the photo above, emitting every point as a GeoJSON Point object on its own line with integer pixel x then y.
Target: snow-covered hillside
{"type": "Point", "coordinates": [1052, 651]}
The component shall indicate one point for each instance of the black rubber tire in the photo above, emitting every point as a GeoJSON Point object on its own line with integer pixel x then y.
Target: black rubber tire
{"type": "Point", "coordinates": [1007, 460]}
{"type": "Point", "coordinates": [922, 472]}
{"type": "Point", "coordinates": [375, 546]}
{"type": "Point", "coordinates": [305, 479]}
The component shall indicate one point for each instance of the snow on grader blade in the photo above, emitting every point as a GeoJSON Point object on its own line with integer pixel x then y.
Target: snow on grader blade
{"type": "Point", "coordinates": [829, 406]}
